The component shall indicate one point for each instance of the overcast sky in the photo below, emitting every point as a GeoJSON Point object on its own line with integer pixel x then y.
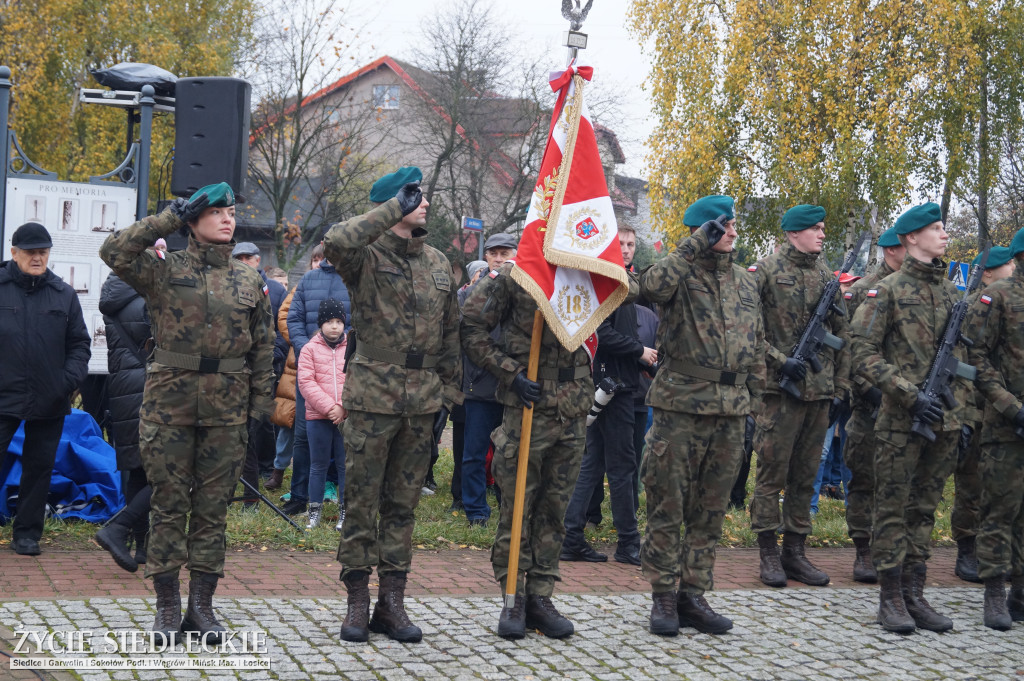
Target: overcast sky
{"type": "Point", "coordinates": [538, 24]}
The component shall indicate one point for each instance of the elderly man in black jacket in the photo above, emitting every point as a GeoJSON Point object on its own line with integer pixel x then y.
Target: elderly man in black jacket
{"type": "Point", "coordinates": [620, 356]}
{"type": "Point", "coordinates": [45, 357]}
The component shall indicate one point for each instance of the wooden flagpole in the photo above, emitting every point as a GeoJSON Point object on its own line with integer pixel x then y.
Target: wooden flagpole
{"type": "Point", "coordinates": [512, 577]}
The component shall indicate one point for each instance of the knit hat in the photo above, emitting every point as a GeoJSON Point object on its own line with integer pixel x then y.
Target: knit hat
{"type": "Point", "coordinates": [475, 266]}
{"type": "Point", "coordinates": [331, 308]}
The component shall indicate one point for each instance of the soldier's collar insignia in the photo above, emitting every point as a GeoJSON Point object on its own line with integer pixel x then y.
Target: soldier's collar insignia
{"type": "Point", "coordinates": [872, 293]}
{"type": "Point", "coordinates": [986, 299]}
{"type": "Point", "coordinates": [752, 268]}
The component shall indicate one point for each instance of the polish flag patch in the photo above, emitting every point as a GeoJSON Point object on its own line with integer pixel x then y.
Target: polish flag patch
{"type": "Point", "coordinates": [872, 293]}
{"type": "Point", "coordinates": [160, 254]}
{"type": "Point", "coordinates": [848, 295]}
{"type": "Point", "coordinates": [987, 300]}
{"type": "Point", "coordinates": [493, 274]}
{"type": "Point", "coordinates": [752, 268]}
{"type": "Point", "coordinates": [266, 290]}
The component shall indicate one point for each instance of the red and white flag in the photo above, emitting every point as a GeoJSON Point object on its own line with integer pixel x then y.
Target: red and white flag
{"type": "Point", "coordinates": [569, 257]}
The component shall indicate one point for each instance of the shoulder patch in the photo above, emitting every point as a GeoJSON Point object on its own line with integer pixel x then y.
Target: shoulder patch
{"type": "Point", "coordinates": [752, 268]}
{"type": "Point", "coordinates": [160, 254]}
{"type": "Point", "coordinates": [872, 292]}
{"type": "Point", "coordinates": [493, 274]}
{"type": "Point", "coordinates": [266, 290]}
{"type": "Point", "coordinates": [848, 295]}
{"type": "Point", "coordinates": [986, 299]}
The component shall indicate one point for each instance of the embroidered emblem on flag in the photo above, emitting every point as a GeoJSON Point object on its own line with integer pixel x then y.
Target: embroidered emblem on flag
{"type": "Point", "coordinates": [586, 229]}
{"type": "Point", "coordinates": [987, 300]}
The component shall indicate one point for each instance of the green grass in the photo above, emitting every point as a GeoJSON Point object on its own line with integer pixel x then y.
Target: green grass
{"type": "Point", "coordinates": [438, 528]}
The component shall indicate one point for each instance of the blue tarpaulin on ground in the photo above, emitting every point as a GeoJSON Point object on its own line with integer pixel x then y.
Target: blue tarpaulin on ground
{"type": "Point", "coordinates": [85, 483]}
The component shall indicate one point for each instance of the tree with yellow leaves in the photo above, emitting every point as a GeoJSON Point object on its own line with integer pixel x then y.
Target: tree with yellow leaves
{"type": "Point", "coordinates": [52, 45]}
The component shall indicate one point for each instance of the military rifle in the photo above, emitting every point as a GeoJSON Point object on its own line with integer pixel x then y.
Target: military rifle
{"type": "Point", "coordinates": [945, 366]}
{"type": "Point", "coordinates": [814, 335]}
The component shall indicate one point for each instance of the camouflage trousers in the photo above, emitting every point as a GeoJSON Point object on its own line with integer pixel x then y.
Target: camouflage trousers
{"type": "Point", "coordinates": [689, 467]}
{"type": "Point", "coordinates": [556, 450]}
{"type": "Point", "coordinates": [788, 445]}
{"type": "Point", "coordinates": [910, 473]}
{"type": "Point", "coordinates": [966, 514]}
{"type": "Point", "coordinates": [386, 461]}
{"type": "Point", "coordinates": [193, 471]}
{"type": "Point", "coordinates": [1001, 531]}
{"type": "Point", "coordinates": [860, 459]}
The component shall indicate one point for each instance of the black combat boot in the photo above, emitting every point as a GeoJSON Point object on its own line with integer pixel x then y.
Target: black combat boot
{"type": "Point", "coordinates": [512, 621]}
{"type": "Point", "coordinates": [664, 618]}
{"type": "Point", "coordinates": [1015, 601]}
{"type": "Point", "coordinates": [924, 615]}
{"type": "Point", "coordinates": [892, 610]}
{"type": "Point", "coordinates": [863, 568]}
{"type": "Point", "coordinates": [967, 560]}
{"type": "Point", "coordinates": [115, 539]}
{"type": "Point", "coordinates": [997, 615]}
{"type": "Point", "coordinates": [795, 563]}
{"type": "Point", "coordinates": [389, 614]}
{"type": "Point", "coordinates": [772, 573]}
{"type": "Point", "coordinates": [199, 617]}
{"type": "Point", "coordinates": [695, 612]}
{"type": "Point", "coordinates": [168, 608]}
{"type": "Point", "coordinates": [355, 627]}
{"type": "Point", "coordinates": [542, 615]}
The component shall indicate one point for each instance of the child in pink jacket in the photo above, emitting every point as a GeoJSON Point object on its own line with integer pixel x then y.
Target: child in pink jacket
{"type": "Point", "coordinates": [321, 381]}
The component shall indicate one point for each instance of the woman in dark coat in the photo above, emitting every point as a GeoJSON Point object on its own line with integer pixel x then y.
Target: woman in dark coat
{"type": "Point", "coordinates": [129, 341]}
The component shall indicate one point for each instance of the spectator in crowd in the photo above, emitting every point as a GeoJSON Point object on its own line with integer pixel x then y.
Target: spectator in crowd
{"type": "Point", "coordinates": [483, 411]}
{"type": "Point", "coordinates": [284, 412]}
{"type": "Point", "coordinates": [278, 275]}
{"type": "Point", "coordinates": [620, 356]}
{"type": "Point", "coordinates": [320, 283]}
{"type": "Point", "coordinates": [833, 475]}
{"type": "Point", "coordinates": [129, 342]}
{"type": "Point", "coordinates": [45, 356]}
{"type": "Point", "coordinates": [261, 450]}
{"type": "Point", "coordinates": [321, 381]}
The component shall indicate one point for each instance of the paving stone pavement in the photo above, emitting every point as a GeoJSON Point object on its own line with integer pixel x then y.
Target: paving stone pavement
{"type": "Point", "coordinates": [780, 634]}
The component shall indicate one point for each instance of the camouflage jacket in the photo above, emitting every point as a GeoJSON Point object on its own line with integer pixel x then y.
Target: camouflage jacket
{"type": "Point", "coordinates": [995, 322]}
{"type": "Point", "coordinates": [895, 333]}
{"type": "Point", "coordinates": [498, 299]}
{"type": "Point", "coordinates": [854, 297]}
{"type": "Point", "coordinates": [404, 301]}
{"type": "Point", "coordinates": [789, 284]}
{"type": "Point", "coordinates": [202, 303]}
{"type": "Point", "coordinates": [710, 318]}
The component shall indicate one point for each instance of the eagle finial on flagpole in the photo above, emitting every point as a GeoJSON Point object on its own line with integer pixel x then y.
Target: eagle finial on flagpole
{"type": "Point", "coordinates": [575, 15]}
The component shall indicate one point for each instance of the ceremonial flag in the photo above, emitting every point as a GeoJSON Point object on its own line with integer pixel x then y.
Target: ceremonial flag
{"type": "Point", "coordinates": [569, 258]}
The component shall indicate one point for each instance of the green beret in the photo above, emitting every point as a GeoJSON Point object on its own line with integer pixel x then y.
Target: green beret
{"type": "Point", "coordinates": [219, 194]}
{"type": "Point", "coordinates": [387, 187]}
{"type": "Point", "coordinates": [997, 257]}
{"type": "Point", "coordinates": [804, 216]}
{"type": "Point", "coordinates": [1017, 245]}
{"type": "Point", "coordinates": [918, 217]}
{"type": "Point", "coordinates": [889, 239]}
{"type": "Point", "coordinates": [708, 208]}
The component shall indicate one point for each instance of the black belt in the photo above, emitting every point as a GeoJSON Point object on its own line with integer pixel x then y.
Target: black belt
{"type": "Point", "coordinates": [705, 374]}
{"type": "Point", "coordinates": [563, 374]}
{"type": "Point", "coordinates": [204, 365]}
{"type": "Point", "coordinates": [409, 360]}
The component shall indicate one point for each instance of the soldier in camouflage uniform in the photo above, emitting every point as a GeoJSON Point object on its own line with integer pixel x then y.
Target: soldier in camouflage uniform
{"type": "Point", "coordinates": [966, 516]}
{"type": "Point", "coordinates": [789, 430]}
{"type": "Point", "coordinates": [406, 364]}
{"type": "Point", "coordinates": [561, 398]}
{"type": "Point", "coordinates": [895, 333]}
{"type": "Point", "coordinates": [711, 376]}
{"type": "Point", "coordinates": [211, 370]}
{"type": "Point", "coordinates": [860, 430]}
{"type": "Point", "coordinates": [995, 323]}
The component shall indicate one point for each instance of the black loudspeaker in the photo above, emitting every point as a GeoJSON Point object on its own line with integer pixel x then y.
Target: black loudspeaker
{"type": "Point", "coordinates": [211, 133]}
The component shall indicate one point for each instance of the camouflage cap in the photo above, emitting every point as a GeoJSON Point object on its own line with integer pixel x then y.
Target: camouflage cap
{"type": "Point", "coordinates": [918, 217]}
{"type": "Point", "coordinates": [1017, 245]}
{"type": "Point", "coordinates": [387, 187]}
{"type": "Point", "coordinates": [997, 257]}
{"type": "Point", "coordinates": [804, 216]}
{"type": "Point", "coordinates": [889, 239]}
{"type": "Point", "coordinates": [709, 208]}
{"type": "Point", "coordinates": [219, 194]}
